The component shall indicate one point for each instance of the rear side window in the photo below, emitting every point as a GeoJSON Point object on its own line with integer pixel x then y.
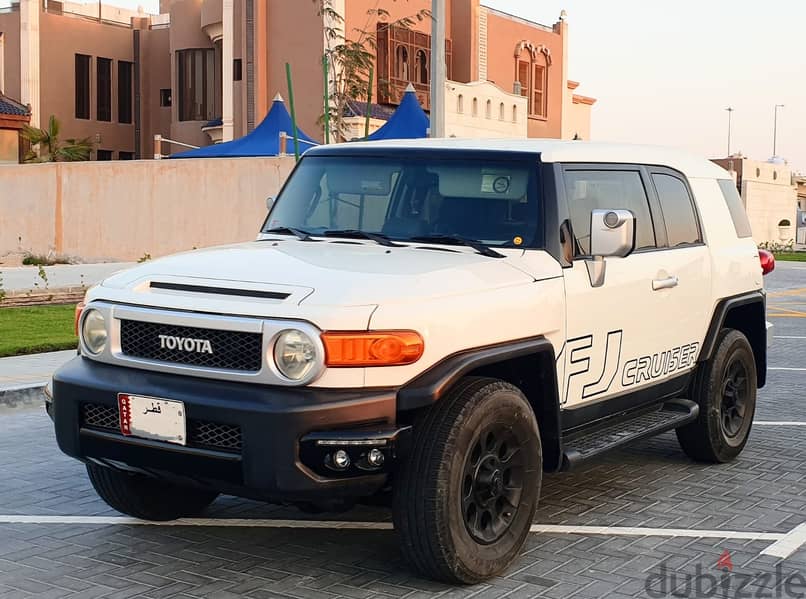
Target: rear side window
{"type": "Point", "coordinates": [678, 210]}
{"type": "Point", "coordinates": [607, 190]}
{"type": "Point", "coordinates": [736, 208]}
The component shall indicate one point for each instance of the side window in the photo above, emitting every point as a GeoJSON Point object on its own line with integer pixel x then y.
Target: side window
{"type": "Point", "coordinates": [588, 190]}
{"type": "Point", "coordinates": [736, 208]}
{"type": "Point", "coordinates": [678, 210]}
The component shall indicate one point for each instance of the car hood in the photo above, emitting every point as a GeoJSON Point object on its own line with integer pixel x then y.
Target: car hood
{"type": "Point", "coordinates": [330, 273]}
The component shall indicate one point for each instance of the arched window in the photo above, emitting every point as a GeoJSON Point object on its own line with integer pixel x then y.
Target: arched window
{"type": "Point", "coordinates": [421, 67]}
{"type": "Point", "coordinates": [501, 112]}
{"type": "Point", "coordinates": [402, 63]}
{"type": "Point", "coordinates": [475, 107]}
{"type": "Point", "coordinates": [460, 104]}
{"type": "Point", "coordinates": [531, 77]}
{"type": "Point", "coordinates": [488, 111]}
{"type": "Point", "coordinates": [539, 85]}
{"type": "Point", "coordinates": [514, 113]}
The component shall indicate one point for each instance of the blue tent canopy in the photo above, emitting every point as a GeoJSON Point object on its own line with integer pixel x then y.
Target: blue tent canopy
{"type": "Point", "coordinates": [263, 141]}
{"type": "Point", "coordinates": [408, 122]}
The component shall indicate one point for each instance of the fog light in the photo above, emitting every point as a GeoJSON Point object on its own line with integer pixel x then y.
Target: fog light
{"type": "Point", "coordinates": [341, 459]}
{"type": "Point", "coordinates": [375, 457]}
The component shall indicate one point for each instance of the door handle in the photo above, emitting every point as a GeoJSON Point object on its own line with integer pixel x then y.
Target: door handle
{"type": "Point", "coordinates": [666, 283]}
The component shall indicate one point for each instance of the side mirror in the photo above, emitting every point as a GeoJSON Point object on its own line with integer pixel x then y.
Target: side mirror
{"type": "Point", "coordinates": [269, 202]}
{"type": "Point", "coordinates": [612, 235]}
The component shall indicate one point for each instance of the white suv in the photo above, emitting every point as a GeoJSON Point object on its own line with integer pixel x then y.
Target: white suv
{"type": "Point", "coordinates": [438, 322]}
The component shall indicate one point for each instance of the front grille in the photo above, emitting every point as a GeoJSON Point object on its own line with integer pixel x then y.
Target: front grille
{"type": "Point", "coordinates": [201, 433]}
{"type": "Point", "coordinates": [98, 416]}
{"type": "Point", "coordinates": [213, 434]}
{"type": "Point", "coordinates": [227, 350]}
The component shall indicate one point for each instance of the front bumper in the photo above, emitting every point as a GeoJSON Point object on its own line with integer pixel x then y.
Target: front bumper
{"type": "Point", "coordinates": [274, 424]}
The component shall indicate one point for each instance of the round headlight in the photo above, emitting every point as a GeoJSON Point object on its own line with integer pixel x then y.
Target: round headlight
{"type": "Point", "coordinates": [93, 331]}
{"type": "Point", "coordinates": [294, 354]}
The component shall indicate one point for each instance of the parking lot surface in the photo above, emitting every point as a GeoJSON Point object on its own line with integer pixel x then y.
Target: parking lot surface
{"type": "Point", "coordinates": [718, 531]}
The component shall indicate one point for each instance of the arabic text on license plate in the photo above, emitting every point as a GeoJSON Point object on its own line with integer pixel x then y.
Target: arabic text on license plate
{"type": "Point", "coordinates": [152, 418]}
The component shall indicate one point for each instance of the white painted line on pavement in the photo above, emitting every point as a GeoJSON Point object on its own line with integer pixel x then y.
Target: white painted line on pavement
{"type": "Point", "coordinates": [657, 532]}
{"type": "Point", "coordinates": [782, 368]}
{"type": "Point", "coordinates": [345, 525]}
{"type": "Point", "coordinates": [774, 423]}
{"type": "Point", "coordinates": [792, 541]}
{"type": "Point", "coordinates": [788, 337]}
{"type": "Point", "coordinates": [224, 522]}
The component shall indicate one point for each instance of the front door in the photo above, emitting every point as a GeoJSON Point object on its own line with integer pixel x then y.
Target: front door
{"type": "Point", "coordinates": [632, 332]}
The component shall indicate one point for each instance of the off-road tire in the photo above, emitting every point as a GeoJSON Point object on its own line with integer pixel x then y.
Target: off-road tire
{"type": "Point", "coordinates": [147, 498]}
{"type": "Point", "coordinates": [708, 439]}
{"type": "Point", "coordinates": [430, 505]}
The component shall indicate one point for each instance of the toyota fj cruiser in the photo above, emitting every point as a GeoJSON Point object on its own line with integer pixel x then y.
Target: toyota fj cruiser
{"type": "Point", "coordinates": [437, 321]}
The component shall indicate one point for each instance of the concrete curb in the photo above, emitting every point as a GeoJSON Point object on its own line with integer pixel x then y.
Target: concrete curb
{"type": "Point", "coordinates": [23, 396]}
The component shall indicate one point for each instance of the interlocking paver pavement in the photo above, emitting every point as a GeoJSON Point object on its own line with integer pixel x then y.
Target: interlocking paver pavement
{"type": "Point", "coordinates": [649, 484]}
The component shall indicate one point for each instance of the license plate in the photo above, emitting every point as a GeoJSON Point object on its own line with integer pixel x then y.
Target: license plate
{"type": "Point", "coordinates": [152, 418]}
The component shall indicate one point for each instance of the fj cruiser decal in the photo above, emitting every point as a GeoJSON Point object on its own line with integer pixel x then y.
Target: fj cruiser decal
{"type": "Point", "coordinates": [591, 374]}
{"type": "Point", "coordinates": [646, 368]}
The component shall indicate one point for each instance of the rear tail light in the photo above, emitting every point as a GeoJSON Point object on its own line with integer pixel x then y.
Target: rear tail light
{"type": "Point", "coordinates": [767, 261]}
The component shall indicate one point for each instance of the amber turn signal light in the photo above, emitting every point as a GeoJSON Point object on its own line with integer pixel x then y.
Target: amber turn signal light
{"type": "Point", "coordinates": [79, 310]}
{"type": "Point", "coordinates": [371, 348]}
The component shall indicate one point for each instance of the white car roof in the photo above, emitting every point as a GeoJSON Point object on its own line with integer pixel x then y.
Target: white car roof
{"type": "Point", "coordinates": [552, 150]}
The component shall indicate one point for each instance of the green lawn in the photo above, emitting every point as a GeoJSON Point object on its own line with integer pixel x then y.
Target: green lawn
{"type": "Point", "coordinates": [791, 256]}
{"type": "Point", "coordinates": [36, 329]}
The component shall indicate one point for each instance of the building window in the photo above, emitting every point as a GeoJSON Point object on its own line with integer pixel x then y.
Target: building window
{"type": "Point", "coordinates": [125, 155]}
{"type": "Point", "coordinates": [523, 78]}
{"type": "Point", "coordinates": [460, 104]}
{"type": "Point", "coordinates": [488, 111]}
{"type": "Point", "coordinates": [421, 67]}
{"type": "Point", "coordinates": [103, 155]}
{"type": "Point", "coordinates": [198, 85]}
{"type": "Point", "coordinates": [165, 97]}
{"type": "Point", "coordinates": [82, 86]}
{"type": "Point", "coordinates": [125, 87]}
{"type": "Point", "coordinates": [103, 72]}
{"type": "Point", "coordinates": [514, 113]}
{"type": "Point", "coordinates": [402, 63]}
{"type": "Point", "coordinates": [475, 107]}
{"type": "Point", "coordinates": [501, 111]}
{"type": "Point", "coordinates": [237, 69]}
{"type": "Point", "coordinates": [531, 68]}
{"type": "Point", "coordinates": [538, 90]}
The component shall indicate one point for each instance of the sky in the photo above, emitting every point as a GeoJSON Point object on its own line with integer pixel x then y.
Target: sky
{"type": "Point", "coordinates": [664, 72]}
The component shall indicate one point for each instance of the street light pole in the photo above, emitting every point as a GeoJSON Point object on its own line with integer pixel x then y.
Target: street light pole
{"type": "Point", "coordinates": [438, 70]}
{"type": "Point", "coordinates": [775, 129]}
{"type": "Point", "coordinates": [730, 113]}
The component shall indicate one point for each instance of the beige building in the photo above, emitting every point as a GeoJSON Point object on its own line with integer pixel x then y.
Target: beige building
{"type": "Point", "coordinates": [207, 70]}
{"type": "Point", "coordinates": [769, 196]}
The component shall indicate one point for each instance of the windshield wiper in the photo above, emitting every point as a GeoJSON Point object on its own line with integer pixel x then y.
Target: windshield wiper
{"type": "Point", "coordinates": [301, 235]}
{"type": "Point", "coordinates": [376, 237]}
{"type": "Point", "coordinates": [458, 240]}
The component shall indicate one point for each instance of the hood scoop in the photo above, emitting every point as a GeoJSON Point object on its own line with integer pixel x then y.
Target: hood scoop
{"type": "Point", "coordinates": [256, 293]}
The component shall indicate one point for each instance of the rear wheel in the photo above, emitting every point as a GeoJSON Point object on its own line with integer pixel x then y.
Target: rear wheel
{"type": "Point", "coordinates": [725, 389]}
{"type": "Point", "coordinates": [147, 498]}
{"type": "Point", "coordinates": [465, 500]}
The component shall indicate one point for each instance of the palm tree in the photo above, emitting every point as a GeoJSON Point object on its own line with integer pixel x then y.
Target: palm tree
{"type": "Point", "coordinates": [51, 149]}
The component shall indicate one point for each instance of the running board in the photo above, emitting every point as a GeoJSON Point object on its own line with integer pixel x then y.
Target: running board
{"type": "Point", "coordinates": [673, 413]}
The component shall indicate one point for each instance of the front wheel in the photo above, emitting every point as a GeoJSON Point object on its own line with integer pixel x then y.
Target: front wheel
{"type": "Point", "coordinates": [725, 389]}
{"type": "Point", "coordinates": [465, 499]}
{"type": "Point", "coordinates": [147, 498]}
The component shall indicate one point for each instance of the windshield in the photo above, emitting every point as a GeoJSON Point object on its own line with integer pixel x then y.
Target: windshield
{"type": "Point", "coordinates": [412, 199]}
